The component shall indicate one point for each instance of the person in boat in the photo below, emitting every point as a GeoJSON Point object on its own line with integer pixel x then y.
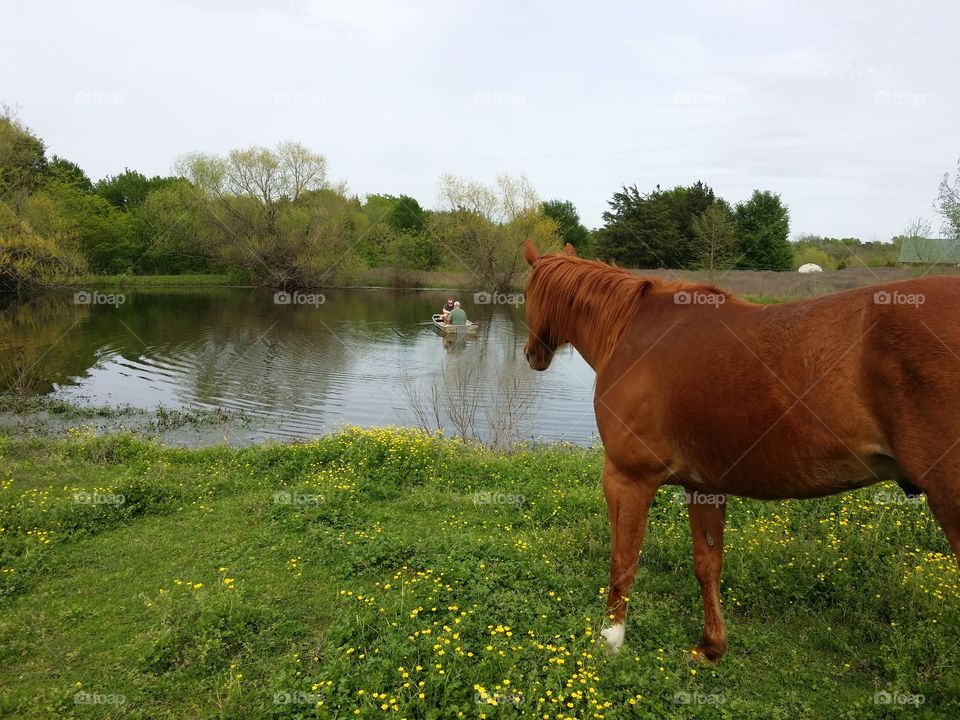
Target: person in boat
{"type": "Point", "coordinates": [446, 310]}
{"type": "Point", "coordinates": [458, 316]}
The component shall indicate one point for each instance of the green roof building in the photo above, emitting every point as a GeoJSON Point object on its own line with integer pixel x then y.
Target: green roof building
{"type": "Point", "coordinates": [930, 251]}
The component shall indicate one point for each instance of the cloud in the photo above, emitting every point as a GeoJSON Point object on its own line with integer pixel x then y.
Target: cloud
{"type": "Point", "coordinates": [840, 110]}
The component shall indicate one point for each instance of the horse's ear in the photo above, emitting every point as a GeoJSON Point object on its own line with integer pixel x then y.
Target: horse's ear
{"type": "Point", "coordinates": [530, 252]}
{"type": "Point", "coordinates": [570, 250]}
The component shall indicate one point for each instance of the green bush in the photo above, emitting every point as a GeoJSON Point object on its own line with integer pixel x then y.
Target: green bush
{"type": "Point", "coordinates": [28, 261]}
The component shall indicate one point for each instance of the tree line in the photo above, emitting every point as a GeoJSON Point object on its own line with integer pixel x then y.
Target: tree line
{"type": "Point", "coordinates": [265, 216]}
{"type": "Point", "coordinates": [691, 227]}
{"type": "Point", "coordinates": [272, 217]}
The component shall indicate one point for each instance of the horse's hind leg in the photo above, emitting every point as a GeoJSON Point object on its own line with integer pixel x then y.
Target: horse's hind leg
{"type": "Point", "coordinates": [917, 409]}
{"type": "Point", "coordinates": [707, 518]}
{"type": "Point", "coordinates": [946, 508]}
{"type": "Point", "coordinates": [628, 503]}
{"type": "Point", "coordinates": [943, 496]}
{"type": "Point", "coordinates": [939, 479]}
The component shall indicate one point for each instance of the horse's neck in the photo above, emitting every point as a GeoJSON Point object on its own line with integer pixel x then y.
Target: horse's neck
{"type": "Point", "coordinates": [598, 325]}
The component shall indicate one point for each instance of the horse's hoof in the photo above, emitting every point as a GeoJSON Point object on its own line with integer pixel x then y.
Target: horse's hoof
{"type": "Point", "coordinates": [706, 654]}
{"type": "Point", "coordinates": [613, 638]}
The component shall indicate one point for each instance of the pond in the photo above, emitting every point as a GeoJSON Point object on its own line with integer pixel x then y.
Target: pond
{"type": "Point", "coordinates": [298, 369]}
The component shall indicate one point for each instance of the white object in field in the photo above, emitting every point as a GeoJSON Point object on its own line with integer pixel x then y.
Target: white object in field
{"type": "Point", "coordinates": [809, 268]}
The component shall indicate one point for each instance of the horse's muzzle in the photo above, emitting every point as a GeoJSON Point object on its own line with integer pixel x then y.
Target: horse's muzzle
{"type": "Point", "coordinates": [534, 363]}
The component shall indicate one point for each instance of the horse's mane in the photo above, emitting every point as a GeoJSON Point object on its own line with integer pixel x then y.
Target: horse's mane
{"type": "Point", "coordinates": [572, 290]}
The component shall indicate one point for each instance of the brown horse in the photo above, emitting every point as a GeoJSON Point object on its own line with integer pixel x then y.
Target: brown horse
{"type": "Point", "coordinates": [698, 389]}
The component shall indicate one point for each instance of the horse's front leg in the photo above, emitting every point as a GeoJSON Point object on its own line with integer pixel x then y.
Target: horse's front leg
{"type": "Point", "coordinates": [628, 503]}
{"type": "Point", "coordinates": [707, 516]}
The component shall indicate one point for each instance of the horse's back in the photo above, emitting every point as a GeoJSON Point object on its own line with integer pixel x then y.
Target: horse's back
{"type": "Point", "coordinates": [813, 394]}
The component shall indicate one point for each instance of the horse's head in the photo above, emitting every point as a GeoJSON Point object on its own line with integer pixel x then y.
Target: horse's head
{"type": "Point", "coordinates": [543, 340]}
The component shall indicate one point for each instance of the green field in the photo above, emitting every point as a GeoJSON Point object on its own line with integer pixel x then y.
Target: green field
{"type": "Point", "coordinates": [386, 573]}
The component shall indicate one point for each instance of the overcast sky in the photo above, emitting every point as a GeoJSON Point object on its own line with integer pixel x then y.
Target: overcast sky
{"type": "Point", "coordinates": [851, 111]}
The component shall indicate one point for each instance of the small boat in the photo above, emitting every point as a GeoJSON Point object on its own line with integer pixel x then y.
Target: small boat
{"type": "Point", "coordinates": [471, 327]}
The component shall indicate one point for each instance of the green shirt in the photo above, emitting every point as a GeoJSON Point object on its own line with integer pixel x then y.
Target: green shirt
{"type": "Point", "coordinates": [458, 317]}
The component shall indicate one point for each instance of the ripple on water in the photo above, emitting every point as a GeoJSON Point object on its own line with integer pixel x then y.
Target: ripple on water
{"type": "Point", "coordinates": [300, 374]}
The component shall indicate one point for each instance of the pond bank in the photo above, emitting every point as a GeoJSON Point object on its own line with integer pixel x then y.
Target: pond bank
{"type": "Point", "coordinates": [762, 286]}
{"type": "Point", "coordinates": [47, 417]}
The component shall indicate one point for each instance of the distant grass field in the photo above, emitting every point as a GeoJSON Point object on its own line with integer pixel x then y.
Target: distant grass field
{"type": "Point", "coordinates": [386, 573]}
{"type": "Point", "coordinates": [763, 286]}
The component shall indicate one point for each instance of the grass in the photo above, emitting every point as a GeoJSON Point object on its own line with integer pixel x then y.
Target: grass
{"type": "Point", "coordinates": [387, 573]}
{"type": "Point", "coordinates": [763, 299]}
{"type": "Point", "coordinates": [146, 281]}
{"type": "Point", "coordinates": [765, 286]}
{"type": "Point", "coordinates": [376, 277]}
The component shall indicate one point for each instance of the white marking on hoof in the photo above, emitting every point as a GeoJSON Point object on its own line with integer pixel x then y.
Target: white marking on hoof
{"type": "Point", "coordinates": [613, 636]}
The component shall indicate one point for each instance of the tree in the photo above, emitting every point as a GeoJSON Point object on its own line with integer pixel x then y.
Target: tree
{"type": "Point", "coordinates": [54, 213]}
{"type": "Point", "coordinates": [407, 215]}
{"type": "Point", "coordinates": [268, 213]}
{"type": "Point", "coordinates": [402, 213]}
{"type": "Point", "coordinates": [69, 173]}
{"type": "Point", "coordinates": [67, 215]}
{"type": "Point", "coordinates": [501, 202]}
{"type": "Point", "coordinates": [763, 226]}
{"type": "Point", "coordinates": [300, 169]}
{"type": "Point", "coordinates": [28, 260]}
{"type": "Point", "coordinates": [715, 239]}
{"type": "Point", "coordinates": [397, 235]}
{"type": "Point", "coordinates": [686, 205]}
{"type": "Point", "coordinates": [170, 231]}
{"type": "Point", "coordinates": [639, 230]}
{"type": "Point", "coordinates": [654, 229]}
{"type": "Point", "coordinates": [23, 161]}
{"type": "Point", "coordinates": [483, 227]}
{"type": "Point", "coordinates": [948, 204]}
{"type": "Point", "coordinates": [130, 188]}
{"type": "Point", "coordinates": [263, 174]}
{"type": "Point", "coordinates": [571, 229]}
{"type": "Point", "coordinates": [377, 233]}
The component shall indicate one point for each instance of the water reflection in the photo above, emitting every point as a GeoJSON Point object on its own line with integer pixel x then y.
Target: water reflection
{"type": "Point", "coordinates": [297, 370]}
